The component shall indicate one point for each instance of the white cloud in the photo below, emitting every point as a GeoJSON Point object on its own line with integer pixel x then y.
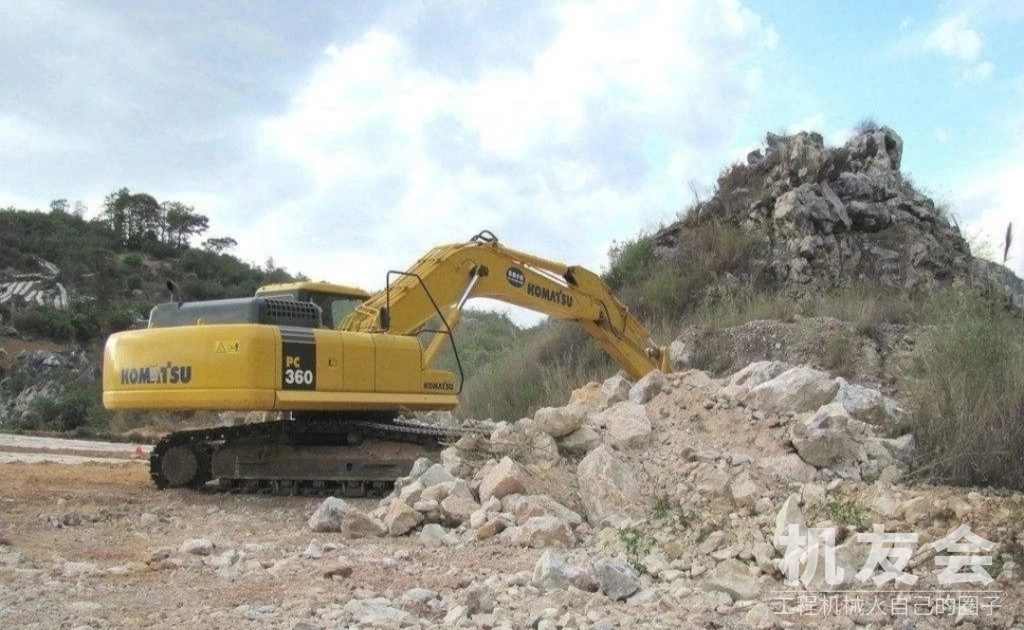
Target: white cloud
{"type": "Point", "coordinates": [954, 38]}
{"type": "Point", "coordinates": [559, 156]}
{"type": "Point", "coordinates": [989, 205]}
{"type": "Point", "coordinates": [941, 135]}
{"type": "Point", "coordinates": [979, 72]}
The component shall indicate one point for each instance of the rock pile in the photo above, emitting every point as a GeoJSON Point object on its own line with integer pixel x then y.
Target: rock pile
{"type": "Point", "coordinates": [678, 488]}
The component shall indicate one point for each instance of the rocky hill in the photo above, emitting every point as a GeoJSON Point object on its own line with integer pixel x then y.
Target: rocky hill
{"type": "Point", "coordinates": [829, 217]}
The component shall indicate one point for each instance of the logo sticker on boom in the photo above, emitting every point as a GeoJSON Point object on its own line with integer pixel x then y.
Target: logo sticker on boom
{"type": "Point", "coordinates": [515, 277]}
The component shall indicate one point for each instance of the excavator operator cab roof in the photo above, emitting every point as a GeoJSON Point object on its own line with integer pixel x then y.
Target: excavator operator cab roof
{"type": "Point", "coordinates": [336, 301]}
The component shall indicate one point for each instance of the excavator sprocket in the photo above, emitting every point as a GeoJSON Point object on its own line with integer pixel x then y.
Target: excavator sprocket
{"type": "Point", "coordinates": [350, 455]}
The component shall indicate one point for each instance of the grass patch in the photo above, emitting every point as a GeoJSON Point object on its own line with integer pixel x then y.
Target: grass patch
{"type": "Point", "coordinates": [968, 404]}
{"type": "Point", "coordinates": [846, 510]}
{"type": "Point", "coordinates": [636, 544]}
{"type": "Point", "coordinates": [552, 360]}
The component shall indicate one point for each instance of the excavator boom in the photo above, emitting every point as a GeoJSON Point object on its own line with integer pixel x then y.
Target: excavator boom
{"type": "Point", "coordinates": [447, 276]}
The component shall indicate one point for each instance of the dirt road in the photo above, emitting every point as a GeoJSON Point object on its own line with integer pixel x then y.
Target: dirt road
{"type": "Point", "coordinates": [97, 546]}
{"type": "Point", "coordinates": [33, 449]}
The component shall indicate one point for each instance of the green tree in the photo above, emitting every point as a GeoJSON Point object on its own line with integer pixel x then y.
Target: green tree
{"type": "Point", "coordinates": [181, 222]}
{"type": "Point", "coordinates": [59, 206]}
{"type": "Point", "coordinates": [219, 245]}
{"type": "Point", "coordinates": [133, 217]}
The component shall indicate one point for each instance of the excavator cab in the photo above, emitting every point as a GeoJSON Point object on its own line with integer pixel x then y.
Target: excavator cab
{"type": "Point", "coordinates": [336, 301]}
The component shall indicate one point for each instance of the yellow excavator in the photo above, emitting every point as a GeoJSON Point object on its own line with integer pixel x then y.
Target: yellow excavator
{"type": "Point", "coordinates": [341, 365]}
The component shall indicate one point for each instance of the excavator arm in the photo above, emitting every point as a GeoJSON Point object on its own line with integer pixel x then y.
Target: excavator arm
{"type": "Point", "coordinates": [442, 280]}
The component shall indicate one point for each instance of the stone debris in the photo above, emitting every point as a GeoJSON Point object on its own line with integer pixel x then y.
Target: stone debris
{"type": "Point", "coordinates": [328, 517]}
{"type": "Point", "coordinates": [608, 486]}
{"type": "Point", "coordinates": [615, 578]}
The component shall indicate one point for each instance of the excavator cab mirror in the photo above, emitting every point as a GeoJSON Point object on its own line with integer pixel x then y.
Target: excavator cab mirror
{"type": "Point", "coordinates": [385, 318]}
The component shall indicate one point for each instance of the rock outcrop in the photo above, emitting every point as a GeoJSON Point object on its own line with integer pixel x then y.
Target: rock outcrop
{"type": "Point", "coordinates": [831, 216]}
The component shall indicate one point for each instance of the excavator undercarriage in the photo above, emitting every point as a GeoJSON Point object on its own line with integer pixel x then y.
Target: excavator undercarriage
{"type": "Point", "coordinates": [353, 455]}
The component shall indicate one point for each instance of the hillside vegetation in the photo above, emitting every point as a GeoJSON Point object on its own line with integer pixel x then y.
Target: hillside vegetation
{"type": "Point", "coordinates": [114, 268]}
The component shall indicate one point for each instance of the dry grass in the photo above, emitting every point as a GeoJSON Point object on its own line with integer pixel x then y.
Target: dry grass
{"type": "Point", "coordinates": [969, 400]}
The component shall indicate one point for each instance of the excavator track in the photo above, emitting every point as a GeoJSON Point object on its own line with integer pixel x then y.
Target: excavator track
{"type": "Point", "coordinates": [351, 455]}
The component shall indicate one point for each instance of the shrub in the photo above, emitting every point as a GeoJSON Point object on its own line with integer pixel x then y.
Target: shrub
{"type": "Point", "coordinates": [968, 412]}
{"type": "Point", "coordinates": [74, 408]}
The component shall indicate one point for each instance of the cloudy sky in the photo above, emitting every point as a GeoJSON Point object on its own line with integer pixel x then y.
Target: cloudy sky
{"type": "Point", "coordinates": [346, 138]}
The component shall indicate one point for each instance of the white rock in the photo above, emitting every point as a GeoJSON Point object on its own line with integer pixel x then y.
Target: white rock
{"type": "Point", "coordinates": [789, 514]}
{"type": "Point", "coordinates": [866, 404]}
{"type": "Point", "coordinates": [528, 506]}
{"type": "Point", "coordinates": [434, 475]}
{"type": "Point", "coordinates": [615, 578]}
{"type": "Point", "coordinates": [553, 572]}
{"type": "Point", "coordinates": [400, 518]}
{"type": "Point", "coordinates": [608, 486]}
{"type": "Point", "coordinates": [559, 421]}
{"type": "Point", "coordinates": [328, 517]}
{"type": "Point", "coordinates": [507, 477]}
{"type": "Point", "coordinates": [733, 577]}
{"type": "Point", "coordinates": [753, 375]}
{"type": "Point", "coordinates": [797, 390]}
{"type": "Point", "coordinates": [789, 468]}
{"type": "Point", "coordinates": [540, 532]}
{"type": "Point", "coordinates": [358, 524]}
{"type": "Point", "coordinates": [823, 440]}
{"type": "Point", "coordinates": [458, 509]}
{"type": "Point", "coordinates": [197, 546]}
{"type": "Point", "coordinates": [581, 441]}
{"type": "Point", "coordinates": [615, 389]}
{"type": "Point", "coordinates": [644, 390]}
{"type": "Point", "coordinates": [628, 424]}
{"type": "Point", "coordinates": [313, 550]}
{"type": "Point", "coordinates": [742, 490]}
{"type": "Point", "coordinates": [433, 535]}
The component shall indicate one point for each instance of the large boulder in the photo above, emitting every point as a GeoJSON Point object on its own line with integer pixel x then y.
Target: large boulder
{"type": "Point", "coordinates": [797, 390]}
{"type": "Point", "coordinates": [753, 375]}
{"type": "Point", "coordinates": [789, 515]}
{"type": "Point", "coordinates": [615, 389]}
{"type": "Point", "coordinates": [435, 475]}
{"type": "Point", "coordinates": [525, 507]}
{"type": "Point", "coordinates": [823, 440]}
{"type": "Point", "coordinates": [608, 486]}
{"type": "Point", "coordinates": [525, 444]}
{"type": "Point", "coordinates": [358, 524]}
{"type": "Point", "coordinates": [615, 578]}
{"type": "Point", "coordinates": [540, 532]}
{"type": "Point", "coordinates": [627, 424]}
{"type": "Point", "coordinates": [553, 572]}
{"type": "Point", "coordinates": [400, 518]}
{"type": "Point", "coordinates": [329, 515]}
{"type": "Point", "coordinates": [644, 390]}
{"type": "Point", "coordinates": [458, 509]}
{"type": "Point", "coordinates": [505, 478]}
{"type": "Point", "coordinates": [733, 577]}
{"type": "Point", "coordinates": [588, 397]}
{"type": "Point", "coordinates": [867, 405]}
{"type": "Point", "coordinates": [581, 441]}
{"type": "Point", "coordinates": [559, 421]}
